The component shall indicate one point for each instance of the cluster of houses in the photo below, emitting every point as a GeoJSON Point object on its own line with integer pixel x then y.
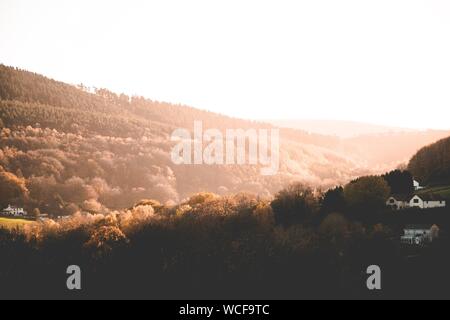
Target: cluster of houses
{"type": "Point", "coordinates": [421, 201]}
{"type": "Point", "coordinates": [418, 235]}
{"type": "Point", "coordinates": [12, 211]}
{"type": "Point", "coordinates": [18, 212]}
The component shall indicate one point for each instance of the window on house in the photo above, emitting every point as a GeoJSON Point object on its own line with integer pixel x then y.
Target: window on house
{"type": "Point", "coordinates": [416, 200]}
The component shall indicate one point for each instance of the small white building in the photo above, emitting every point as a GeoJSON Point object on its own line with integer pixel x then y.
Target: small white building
{"type": "Point", "coordinates": [427, 201]}
{"type": "Point", "coordinates": [417, 185]}
{"type": "Point", "coordinates": [420, 234]}
{"type": "Point", "coordinates": [43, 218]}
{"type": "Point", "coordinates": [398, 202]}
{"type": "Point", "coordinates": [14, 211]}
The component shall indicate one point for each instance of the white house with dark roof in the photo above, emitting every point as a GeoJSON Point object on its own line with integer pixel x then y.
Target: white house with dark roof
{"type": "Point", "coordinates": [13, 211]}
{"type": "Point", "coordinates": [427, 201]}
{"type": "Point", "coordinates": [398, 202]}
{"type": "Point", "coordinates": [421, 201]}
{"type": "Point", "coordinates": [420, 234]}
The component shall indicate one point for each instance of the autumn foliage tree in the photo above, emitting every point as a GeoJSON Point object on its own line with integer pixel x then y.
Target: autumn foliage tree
{"type": "Point", "coordinates": [366, 195]}
{"type": "Point", "coordinates": [294, 205]}
{"type": "Point", "coordinates": [12, 189]}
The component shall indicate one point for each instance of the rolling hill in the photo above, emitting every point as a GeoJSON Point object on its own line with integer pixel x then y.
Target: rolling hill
{"type": "Point", "coordinates": [342, 129]}
{"type": "Point", "coordinates": [431, 165]}
{"type": "Point", "coordinates": [64, 148]}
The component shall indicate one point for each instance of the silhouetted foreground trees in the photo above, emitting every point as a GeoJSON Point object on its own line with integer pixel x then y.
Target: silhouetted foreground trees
{"type": "Point", "coordinates": [294, 205]}
{"type": "Point", "coordinates": [210, 248]}
{"type": "Point", "coordinates": [334, 201]}
{"type": "Point", "coordinates": [366, 196]}
{"type": "Point", "coordinates": [400, 182]}
{"type": "Point", "coordinates": [213, 247]}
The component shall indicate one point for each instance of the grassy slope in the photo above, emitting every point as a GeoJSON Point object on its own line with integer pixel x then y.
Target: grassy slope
{"type": "Point", "coordinates": [443, 191]}
{"type": "Point", "coordinates": [13, 223]}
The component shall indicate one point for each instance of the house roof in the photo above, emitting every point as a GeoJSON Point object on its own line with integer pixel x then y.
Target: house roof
{"type": "Point", "coordinates": [423, 196]}
{"type": "Point", "coordinates": [11, 208]}
{"type": "Point", "coordinates": [401, 197]}
{"type": "Point", "coordinates": [429, 197]}
{"type": "Point", "coordinates": [419, 226]}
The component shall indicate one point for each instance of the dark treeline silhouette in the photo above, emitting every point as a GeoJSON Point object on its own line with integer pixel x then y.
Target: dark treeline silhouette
{"type": "Point", "coordinates": [235, 247]}
{"type": "Point", "coordinates": [400, 182]}
{"type": "Point", "coordinates": [432, 164]}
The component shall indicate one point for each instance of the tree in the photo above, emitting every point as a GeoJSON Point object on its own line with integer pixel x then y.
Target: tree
{"type": "Point", "coordinates": [148, 202]}
{"type": "Point", "coordinates": [400, 182]}
{"type": "Point", "coordinates": [12, 189]}
{"type": "Point", "coordinates": [264, 214]}
{"type": "Point", "coordinates": [105, 239]}
{"type": "Point", "coordinates": [294, 205]}
{"type": "Point", "coordinates": [367, 195]}
{"type": "Point", "coordinates": [36, 213]}
{"type": "Point", "coordinates": [333, 200]}
{"type": "Point", "coordinates": [201, 198]}
{"type": "Point", "coordinates": [334, 227]}
{"type": "Point", "coordinates": [431, 165]}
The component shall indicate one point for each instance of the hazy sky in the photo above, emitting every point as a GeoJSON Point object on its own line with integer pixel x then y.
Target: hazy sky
{"type": "Point", "coordinates": [380, 61]}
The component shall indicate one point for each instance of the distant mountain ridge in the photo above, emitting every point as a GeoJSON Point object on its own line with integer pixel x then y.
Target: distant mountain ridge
{"type": "Point", "coordinates": [374, 146]}
{"type": "Point", "coordinates": [339, 128]}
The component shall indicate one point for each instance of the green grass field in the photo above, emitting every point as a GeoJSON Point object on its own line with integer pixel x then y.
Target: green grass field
{"type": "Point", "coordinates": [13, 223]}
{"type": "Point", "coordinates": [442, 191]}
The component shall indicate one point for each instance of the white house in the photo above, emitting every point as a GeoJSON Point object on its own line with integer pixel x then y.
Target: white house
{"type": "Point", "coordinates": [427, 201]}
{"type": "Point", "coordinates": [421, 201]}
{"type": "Point", "coordinates": [398, 202]}
{"type": "Point", "coordinates": [14, 211]}
{"type": "Point", "coordinates": [420, 234]}
{"type": "Point", "coordinates": [417, 185]}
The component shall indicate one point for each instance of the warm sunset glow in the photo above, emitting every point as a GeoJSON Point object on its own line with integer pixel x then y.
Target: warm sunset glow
{"type": "Point", "coordinates": [384, 62]}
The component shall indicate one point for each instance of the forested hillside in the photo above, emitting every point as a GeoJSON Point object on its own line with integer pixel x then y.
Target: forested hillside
{"type": "Point", "coordinates": [65, 148]}
{"type": "Point", "coordinates": [432, 164]}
